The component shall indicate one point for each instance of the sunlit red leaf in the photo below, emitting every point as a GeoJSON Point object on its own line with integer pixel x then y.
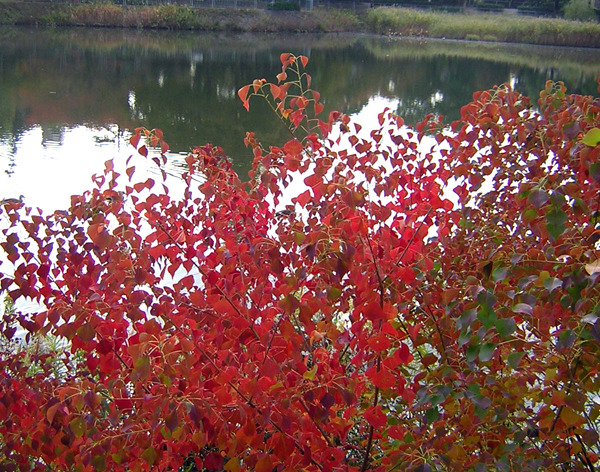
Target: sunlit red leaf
{"type": "Point", "coordinates": [375, 417]}
{"type": "Point", "coordinates": [293, 147]}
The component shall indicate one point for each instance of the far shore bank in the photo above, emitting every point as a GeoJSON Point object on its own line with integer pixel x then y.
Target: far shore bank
{"type": "Point", "coordinates": [383, 20]}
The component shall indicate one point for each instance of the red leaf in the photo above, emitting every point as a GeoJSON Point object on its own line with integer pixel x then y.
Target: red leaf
{"type": "Point", "coordinates": [303, 198]}
{"type": "Point", "coordinates": [379, 343]}
{"type": "Point", "coordinates": [375, 417]}
{"type": "Point", "coordinates": [373, 311]}
{"type": "Point", "coordinates": [304, 60]}
{"type": "Point", "coordinates": [275, 90]}
{"type": "Point", "coordinates": [293, 147]}
{"type": "Point", "coordinates": [129, 171]}
{"type": "Point", "coordinates": [403, 354]}
{"type": "Point", "coordinates": [264, 464]}
{"type": "Point", "coordinates": [382, 378]}
{"type": "Point", "coordinates": [51, 412]}
{"type": "Point", "coordinates": [243, 93]}
{"type": "Point", "coordinates": [213, 461]}
{"type": "Point", "coordinates": [134, 140]}
{"type": "Point", "coordinates": [284, 58]}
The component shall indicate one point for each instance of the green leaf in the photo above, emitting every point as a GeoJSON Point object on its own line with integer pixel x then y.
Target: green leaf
{"type": "Point", "coordinates": [499, 274]}
{"type": "Point", "coordinates": [552, 283]}
{"type": "Point", "coordinates": [472, 352]}
{"type": "Point", "coordinates": [566, 339]}
{"type": "Point", "coordinates": [487, 351]}
{"type": "Point", "coordinates": [149, 455]}
{"type": "Point", "coordinates": [464, 338]}
{"type": "Point", "coordinates": [555, 222]}
{"type": "Point", "coordinates": [505, 327]}
{"type": "Point", "coordinates": [595, 171]}
{"type": "Point", "coordinates": [432, 415]}
{"type": "Point", "coordinates": [529, 215]}
{"type": "Point", "coordinates": [466, 318]}
{"type": "Point", "coordinates": [99, 462]}
{"type": "Point", "coordinates": [77, 426]}
{"type": "Point", "coordinates": [487, 316]}
{"type": "Point", "coordinates": [592, 137]}
{"type": "Point", "coordinates": [333, 294]}
{"type": "Point", "coordinates": [514, 359]}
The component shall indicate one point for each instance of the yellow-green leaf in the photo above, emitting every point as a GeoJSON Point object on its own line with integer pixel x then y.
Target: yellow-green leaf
{"type": "Point", "coordinates": [310, 374]}
{"type": "Point", "coordinates": [592, 137]}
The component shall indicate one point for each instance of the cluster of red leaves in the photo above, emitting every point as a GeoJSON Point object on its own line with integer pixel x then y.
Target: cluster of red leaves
{"type": "Point", "coordinates": [427, 302]}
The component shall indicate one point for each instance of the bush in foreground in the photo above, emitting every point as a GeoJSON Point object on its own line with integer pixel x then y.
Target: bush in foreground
{"type": "Point", "coordinates": [428, 299]}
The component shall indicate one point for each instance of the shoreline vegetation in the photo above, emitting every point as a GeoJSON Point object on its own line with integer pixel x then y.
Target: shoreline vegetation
{"type": "Point", "coordinates": [382, 20]}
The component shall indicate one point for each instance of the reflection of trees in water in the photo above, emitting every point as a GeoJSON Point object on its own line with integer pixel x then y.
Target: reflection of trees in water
{"type": "Point", "coordinates": [186, 84]}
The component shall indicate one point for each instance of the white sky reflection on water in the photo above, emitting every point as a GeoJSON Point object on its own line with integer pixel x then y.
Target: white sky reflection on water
{"type": "Point", "coordinates": [48, 170]}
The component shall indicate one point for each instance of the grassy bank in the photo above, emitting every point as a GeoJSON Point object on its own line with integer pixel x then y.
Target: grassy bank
{"type": "Point", "coordinates": [490, 27]}
{"type": "Point", "coordinates": [389, 21]}
{"type": "Point", "coordinates": [176, 18]}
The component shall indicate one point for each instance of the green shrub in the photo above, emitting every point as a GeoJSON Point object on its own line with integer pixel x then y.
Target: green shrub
{"type": "Point", "coordinates": [58, 17]}
{"type": "Point", "coordinates": [579, 10]}
{"type": "Point", "coordinates": [175, 17]}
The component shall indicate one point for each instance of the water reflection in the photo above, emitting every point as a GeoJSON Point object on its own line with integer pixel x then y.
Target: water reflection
{"type": "Point", "coordinates": [56, 83]}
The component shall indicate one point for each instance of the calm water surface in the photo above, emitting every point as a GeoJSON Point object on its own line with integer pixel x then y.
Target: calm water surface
{"type": "Point", "coordinates": [69, 98]}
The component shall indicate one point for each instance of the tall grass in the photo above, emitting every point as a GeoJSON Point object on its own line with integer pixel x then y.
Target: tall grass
{"type": "Point", "coordinates": [178, 17]}
{"type": "Point", "coordinates": [550, 31]}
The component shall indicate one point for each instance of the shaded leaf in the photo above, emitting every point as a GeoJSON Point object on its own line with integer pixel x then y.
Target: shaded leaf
{"type": "Point", "coordinates": [99, 462]}
{"type": "Point", "coordinates": [472, 352]}
{"type": "Point", "coordinates": [487, 351]}
{"type": "Point", "coordinates": [499, 273]}
{"type": "Point", "coordinates": [595, 171]}
{"type": "Point", "coordinates": [538, 198]}
{"type": "Point", "coordinates": [505, 326]}
{"type": "Point", "coordinates": [523, 308]}
{"type": "Point", "coordinates": [555, 222]}
{"type": "Point", "coordinates": [149, 455]}
{"type": "Point", "coordinates": [432, 414]}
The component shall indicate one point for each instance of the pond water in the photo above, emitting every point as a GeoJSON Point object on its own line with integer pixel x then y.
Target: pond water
{"type": "Point", "coordinates": [70, 98]}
